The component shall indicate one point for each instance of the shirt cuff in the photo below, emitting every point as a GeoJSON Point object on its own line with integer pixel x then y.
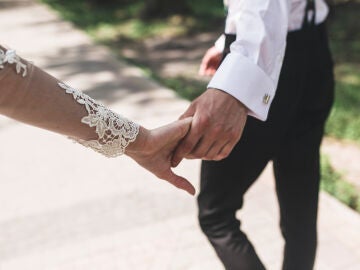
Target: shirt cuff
{"type": "Point", "coordinates": [220, 43]}
{"type": "Point", "coordinates": [247, 82]}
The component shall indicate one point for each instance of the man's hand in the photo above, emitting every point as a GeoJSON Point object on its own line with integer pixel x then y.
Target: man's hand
{"type": "Point", "coordinates": [210, 62]}
{"type": "Point", "coordinates": [218, 122]}
{"type": "Point", "coordinates": [154, 149]}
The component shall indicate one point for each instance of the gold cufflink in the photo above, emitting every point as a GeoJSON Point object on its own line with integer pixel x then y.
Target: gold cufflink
{"type": "Point", "coordinates": [266, 99]}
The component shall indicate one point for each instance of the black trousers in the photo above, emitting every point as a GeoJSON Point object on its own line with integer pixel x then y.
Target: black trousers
{"type": "Point", "coordinates": [291, 138]}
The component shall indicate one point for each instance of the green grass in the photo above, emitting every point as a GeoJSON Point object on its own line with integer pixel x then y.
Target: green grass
{"type": "Point", "coordinates": [185, 87]}
{"type": "Point", "coordinates": [344, 34]}
{"type": "Point", "coordinates": [107, 23]}
{"type": "Point", "coordinates": [333, 183]}
{"type": "Point", "coordinates": [344, 121]}
{"type": "Point", "coordinates": [104, 22]}
{"type": "Point", "coordinates": [89, 16]}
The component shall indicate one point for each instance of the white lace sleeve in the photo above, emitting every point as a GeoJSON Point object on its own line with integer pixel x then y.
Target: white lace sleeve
{"type": "Point", "coordinates": [10, 57]}
{"type": "Point", "coordinates": [114, 131]}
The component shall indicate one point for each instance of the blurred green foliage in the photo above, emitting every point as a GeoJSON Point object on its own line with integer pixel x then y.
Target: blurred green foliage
{"type": "Point", "coordinates": [344, 34]}
{"type": "Point", "coordinates": [91, 14]}
{"type": "Point", "coordinates": [333, 183]}
{"type": "Point", "coordinates": [120, 22]}
{"type": "Point", "coordinates": [344, 121]}
{"type": "Point", "coordinates": [88, 15]}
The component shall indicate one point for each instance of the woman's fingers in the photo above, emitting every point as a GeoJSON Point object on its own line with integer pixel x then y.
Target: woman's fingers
{"type": "Point", "coordinates": [172, 132]}
{"type": "Point", "coordinates": [179, 182]}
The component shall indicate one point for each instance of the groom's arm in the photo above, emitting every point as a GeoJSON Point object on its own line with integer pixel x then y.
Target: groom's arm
{"type": "Point", "coordinates": [245, 82]}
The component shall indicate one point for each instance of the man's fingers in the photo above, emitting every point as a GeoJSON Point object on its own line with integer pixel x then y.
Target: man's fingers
{"type": "Point", "coordinates": [210, 62]}
{"type": "Point", "coordinates": [183, 149]}
{"type": "Point", "coordinates": [210, 71]}
{"type": "Point", "coordinates": [214, 150]}
{"type": "Point", "coordinates": [203, 67]}
{"type": "Point", "coordinates": [187, 145]}
{"type": "Point", "coordinates": [207, 69]}
{"type": "Point", "coordinates": [202, 147]}
{"type": "Point", "coordinates": [179, 182]}
{"type": "Point", "coordinates": [225, 151]}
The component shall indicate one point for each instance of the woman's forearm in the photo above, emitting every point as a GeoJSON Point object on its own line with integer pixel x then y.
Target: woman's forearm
{"type": "Point", "coordinates": [39, 101]}
{"type": "Point", "coordinates": [32, 96]}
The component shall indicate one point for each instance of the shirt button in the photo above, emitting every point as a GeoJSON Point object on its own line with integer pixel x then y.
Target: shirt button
{"type": "Point", "coordinates": [266, 98]}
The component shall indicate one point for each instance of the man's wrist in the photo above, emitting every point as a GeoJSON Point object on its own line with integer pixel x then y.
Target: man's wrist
{"type": "Point", "coordinates": [242, 106]}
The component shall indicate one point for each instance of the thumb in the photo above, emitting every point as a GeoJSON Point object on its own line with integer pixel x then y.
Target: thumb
{"type": "Point", "coordinates": [183, 126]}
{"type": "Point", "coordinates": [176, 130]}
{"type": "Point", "coordinates": [180, 182]}
{"type": "Point", "coordinates": [189, 112]}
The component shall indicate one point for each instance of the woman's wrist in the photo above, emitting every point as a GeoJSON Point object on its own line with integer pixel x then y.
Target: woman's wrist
{"type": "Point", "coordinates": [140, 143]}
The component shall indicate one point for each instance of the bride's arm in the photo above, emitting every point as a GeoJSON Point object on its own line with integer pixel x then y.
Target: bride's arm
{"type": "Point", "coordinates": [30, 95]}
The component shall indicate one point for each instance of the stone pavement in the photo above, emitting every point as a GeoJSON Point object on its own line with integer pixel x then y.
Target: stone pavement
{"type": "Point", "coordinates": [64, 207]}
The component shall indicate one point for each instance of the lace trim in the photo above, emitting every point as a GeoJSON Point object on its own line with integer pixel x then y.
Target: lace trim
{"type": "Point", "coordinates": [10, 57]}
{"type": "Point", "coordinates": [115, 132]}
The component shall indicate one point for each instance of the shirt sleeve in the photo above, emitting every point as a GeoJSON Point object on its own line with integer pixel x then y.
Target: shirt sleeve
{"type": "Point", "coordinates": [250, 72]}
{"type": "Point", "coordinates": [220, 43]}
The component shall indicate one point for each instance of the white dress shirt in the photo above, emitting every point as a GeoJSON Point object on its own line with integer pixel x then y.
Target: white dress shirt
{"type": "Point", "coordinates": [251, 70]}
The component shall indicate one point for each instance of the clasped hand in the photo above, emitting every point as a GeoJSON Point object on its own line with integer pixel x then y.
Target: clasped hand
{"type": "Point", "coordinates": [217, 125]}
{"type": "Point", "coordinates": [208, 130]}
{"type": "Point", "coordinates": [218, 119]}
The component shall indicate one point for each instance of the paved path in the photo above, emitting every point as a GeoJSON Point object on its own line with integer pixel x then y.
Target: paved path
{"type": "Point", "coordinates": [65, 207]}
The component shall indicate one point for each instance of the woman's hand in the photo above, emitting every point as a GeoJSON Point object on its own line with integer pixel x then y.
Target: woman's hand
{"type": "Point", "coordinates": [154, 149]}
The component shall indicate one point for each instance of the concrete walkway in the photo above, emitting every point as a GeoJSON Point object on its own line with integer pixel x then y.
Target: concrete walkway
{"type": "Point", "coordinates": [65, 207]}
